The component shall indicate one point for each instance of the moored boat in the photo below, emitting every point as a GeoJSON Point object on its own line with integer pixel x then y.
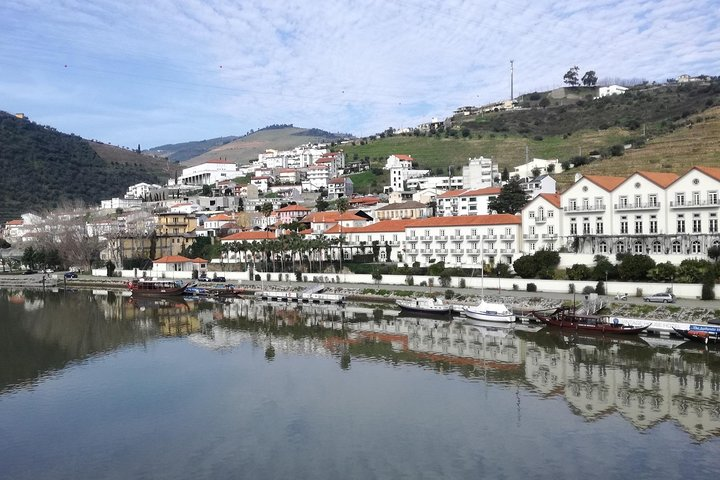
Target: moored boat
{"type": "Point", "coordinates": [433, 306]}
{"type": "Point", "coordinates": [489, 312]}
{"type": "Point", "coordinates": [700, 333]}
{"type": "Point", "coordinates": [565, 317]}
{"type": "Point", "coordinates": [154, 287]}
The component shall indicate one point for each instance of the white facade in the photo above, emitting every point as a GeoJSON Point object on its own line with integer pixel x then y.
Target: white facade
{"type": "Point", "coordinates": [440, 183]}
{"type": "Point", "coordinates": [541, 184]}
{"type": "Point", "coordinates": [124, 203]}
{"type": "Point", "coordinates": [398, 161]}
{"type": "Point", "coordinates": [140, 190]}
{"type": "Point", "coordinates": [340, 187]}
{"type": "Point", "coordinates": [317, 177]}
{"type": "Point", "coordinates": [208, 173]}
{"type": "Point", "coordinates": [611, 90]}
{"type": "Point", "coordinates": [480, 172]}
{"type": "Point", "coordinates": [466, 202]}
{"type": "Point", "coordinates": [525, 171]}
{"type": "Point", "coordinates": [542, 224]}
{"type": "Point", "coordinates": [400, 175]}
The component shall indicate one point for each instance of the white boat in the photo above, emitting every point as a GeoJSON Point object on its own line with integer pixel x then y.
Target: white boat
{"type": "Point", "coordinates": [490, 312]}
{"type": "Point", "coordinates": [434, 306]}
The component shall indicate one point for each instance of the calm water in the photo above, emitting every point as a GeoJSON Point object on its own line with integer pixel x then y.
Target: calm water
{"type": "Point", "coordinates": [99, 387]}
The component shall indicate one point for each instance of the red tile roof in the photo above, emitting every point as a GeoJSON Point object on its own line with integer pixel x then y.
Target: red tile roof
{"type": "Point", "coordinates": [219, 217]}
{"type": "Point", "coordinates": [199, 260]}
{"type": "Point", "coordinates": [14, 222]}
{"type": "Point", "coordinates": [661, 179]}
{"type": "Point", "coordinates": [553, 198]}
{"type": "Point", "coordinates": [327, 217]}
{"type": "Point", "coordinates": [288, 170]}
{"type": "Point", "coordinates": [403, 157]}
{"type": "Point", "coordinates": [337, 180]}
{"type": "Point", "coordinates": [605, 182]}
{"type": "Point", "coordinates": [364, 200]}
{"type": "Point", "coordinates": [172, 259]}
{"type": "Point", "coordinates": [712, 172]}
{"type": "Point", "coordinates": [253, 235]}
{"type": "Point", "coordinates": [325, 160]}
{"type": "Point", "coordinates": [382, 226]}
{"type": "Point", "coordinates": [471, 193]}
{"type": "Point", "coordinates": [467, 220]}
{"type": "Point", "coordinates": [294, 208]}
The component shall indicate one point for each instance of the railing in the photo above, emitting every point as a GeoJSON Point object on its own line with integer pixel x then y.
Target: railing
{"type": "Point", "coordinates": [691, 204]}
{"type": "Point", "coordinates": [638, 206]}
{"type": "Point", "coordinates": [584, 208]}
{"type": "Point", "coordinates": [507, 250]}
{"type": "Point", "coordinates": [509, 236]}
{"type": "Point", "coordinates": [540, 219]}
{"type": "Point", "coordinates": [472, 237]}
{"type": "Point", "coordinates": [549, 235]}
{"type": "Point", "coordinates": [530, 236]}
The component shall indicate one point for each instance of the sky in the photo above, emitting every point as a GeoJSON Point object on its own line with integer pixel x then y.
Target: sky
{"type": "Point", "coordinates": [153, 72]}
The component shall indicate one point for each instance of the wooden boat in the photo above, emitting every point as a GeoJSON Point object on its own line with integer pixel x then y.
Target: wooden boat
{"type": "Point", "coordinates": [489, 312]}
{"type": "Point", "coordinates": [700, 333]}
{"type": "Point", "coordinates": [426, 305]}
{"type": "Point", "coordinates": [155, 288]}
{"type": "Point", "coordinates": [565, 317]}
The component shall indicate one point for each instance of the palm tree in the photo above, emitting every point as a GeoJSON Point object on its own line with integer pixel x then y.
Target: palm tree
{"type": "Point", "coordinates": [342, 204]}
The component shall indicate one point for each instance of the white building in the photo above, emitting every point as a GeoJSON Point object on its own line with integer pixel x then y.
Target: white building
{"type": "Point", "coordinates": [479, 173]}
{"type": "Point", "coordinates": [400, 175]}
{"type": "Point", "coordinates": [462, 241]}
{"type": "Point", "coordinates": [540, 184]}
{"type": "Point", "coordinates": [288, 176]}
{"type": "Point", "coordinates": [317, 177]}
{"type": "Point", "coordinates": [140, 190]}
{"type": "Point", "coordinates": [340, 187]}
{"type": "Point", "coordinates": [437, 182]}
{"type": "Point", "coordinates": [542, 223]}
{"type": "Point", "coordinates": [528, 170]}
{"type": "Point", "coordinates": [398, 161]}
{"type": "Point", "coordinates": [466, 202]}
{"type": "Point", "coordinates": [262, 182]}
{"type": "Point", "coordinates": [208, 173]}
{"type": "Point", "coordinates": [611, 90]}
{"type": "Point", "coordinates": [124, 203]}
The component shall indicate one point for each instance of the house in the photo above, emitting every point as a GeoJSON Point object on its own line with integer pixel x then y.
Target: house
{"type": "Point", "coordinates": [317, 177]}
{"type": "Point", "coordinates": [405, 210]}
{"type": "Point", "coordinates": [262, 182]}
{"type": "Point", "coordinates": [537, 167]}
{"type": "Point", "coordinates": [398, 161]}
{"type": "Point", "coordinates": [208, 173]}
{"type": "Point", "coordinates": [340, 187]}
{"type": "Point", "coordinates": [322, 221]}
{"type": "Point", "coordinates": [289, 176]}
{"type": "Point", "coordinates": [399, 175]}
{"type": "Point", "coordinates": [466, 201]}
{"type": "Point", "coordinates": [178, 263]}
{"type": "Point", "coordinates": [542, 223]}
{"type": "Point", "coordinates": [384, 239]}
{"type": "Point", "coordinates": [480, 172]}
{"type": "Point", "coordinates": [292, 213]}
{"type": "Point", "coordinates": [540, 184]}
{"type": "Point", "coordinates": [611, 90]}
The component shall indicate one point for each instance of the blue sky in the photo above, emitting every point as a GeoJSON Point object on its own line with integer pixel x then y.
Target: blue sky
{"type": "Point", "coordinates": [161, 71]}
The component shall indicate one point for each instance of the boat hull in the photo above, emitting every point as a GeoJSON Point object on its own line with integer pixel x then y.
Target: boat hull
{"type": "Point", "coordinates": [424, 309]}
{"type": "Point", "coordinates": [157, 288]}
{"type": "Point", "coordinates": [700, 336]}
{"type": "Point", "coordinates": [489, 316]}
{"type": "Point", "coordinates": [588, 324]}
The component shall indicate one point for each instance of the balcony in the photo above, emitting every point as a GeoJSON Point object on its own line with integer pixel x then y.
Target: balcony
{"type": "Point", "coordinates": [426, 238]}
{"type": "Point", "coordinates": [472, 237]}
{"type": "Point", "coordinates": [489, 237]}
{"type": "Point", "coordinates": [412, 240]}
{"type": "Point", "coordinates": [491, 251]}
{"type": "Point", "coordinates": [426, 251]}
{"type": "Point", "coordinates": [441, 251]}
{"type": "Point", "coordinates": [510, 236]}
{"type": "Point", "coordinates": [474, 251]}
{"type": "Point", "coordinates": [456, 238]}
{"type": "Point", "coordinates": [637, 206]}
{"type": "Point", "coordinates": [530, 236]}
{"type": "Point", "coordinates": [540, 220]}
{"type": "Point", "coordinates": [584, 208]}
{"type": "Point", "coordinates": [507, 250]}
{"type": "Point", "coordinates": [413, 252]}
{"type": "Point", "coordinates": [549, 236]}
{"type": "Point", "coordinates": [441, 238]}
{"type": "Point", "coordinates": [698, 204]}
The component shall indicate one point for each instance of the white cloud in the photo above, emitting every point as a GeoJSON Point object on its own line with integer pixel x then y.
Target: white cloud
{"type": "Point", "coordinates": [352, 65]}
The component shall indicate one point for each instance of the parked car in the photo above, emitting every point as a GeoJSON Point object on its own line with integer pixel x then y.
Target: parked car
{"type": "Point", "coordinates": [660, 298]}
{"type": "Point", "coordinates": [29, 272]}
{"type": "Point", "coordinates": [203, 279]}
{"type": "Point", "coordinates": [218, 279]}
{"type": "Point", "coordinates": [70, 275]}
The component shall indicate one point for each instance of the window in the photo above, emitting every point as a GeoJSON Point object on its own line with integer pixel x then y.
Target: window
{"type": "Point", "coordinates": [442, 233]}
{"type": "Point", "coordinates": [573, 228]}
{"type": "Point", "coordinates": [696, 247]}
{"type": "Point", "coordinates": [532, 230]}
{"type": "Point", "coordinates": [532, 246]}
{"type": "Point", "coordinates": [551, 214]}
{"type": "Point", "coordinates": [474, 245]}
{"type": "Point", "coordinates": [551, 229]}
{"type": "Point", "coordinates": [652, 200]}
{"type": "Point", "coordinates": [638, 201]}
{"type": "Point", "coordinates": [474, 259]}
{"type": "Point", "coordinates": [653, 224]}
{"type": "Point", "coordinates": [680, 199]}
{"type": "Point", "coordinates": [473, 231]}
{"type": "Point", "coordinates": [638, 247]}
{"type": "Point", "coordinates": [657, 247]}
{"type": "Point", "coordinates": [638, 225]}
{"type": "Point", "coordinates": [599, 203]}
{"type": "Point", "coordinates": [623, 225]}
{"type": "Point", "coordinates": [712, 198]}
{"type": "Point", "coordinates": [696, 198]}
{"type": "Point", "coordinates": [599, 226]}
{"type": "Point", "coordinates": [680, 224]}
{"type": "Point", "coordinates": [697, 223]}
{"type": "Point", "coordinates": [457, 233]}
{"type": "Point", "coordinates": [586, 226]}
{"type": "Point", "coordinates": [603, 247]}
{"type": "Point", "coordinates": [623, 202]}
{"type": "Point", "coordinates": [491, 231]}
{"type": "Point", "coordinates": [541, 213]}
{"type": "Point", "coordinates": [676, 246]}
{"type": "Point", "coordinates": [572, 204]}
{"type": "Point", "coordinates": [508, 231]}
{"type": "Point", "coordinates": [713, 225]}
{"type": "Point", "coordinates": [620, 247]}
{"type": "Point", "coordinates": [586, 204]}
{"type": "Point", "coordinates": [427, 233]}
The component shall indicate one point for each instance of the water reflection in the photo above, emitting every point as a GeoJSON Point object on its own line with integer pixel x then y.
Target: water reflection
{"type": "Point", "coordinates": [647, 381]}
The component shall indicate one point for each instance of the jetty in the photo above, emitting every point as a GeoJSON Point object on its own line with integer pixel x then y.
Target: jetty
{"type": "Point", "coordinates": [312, 294]}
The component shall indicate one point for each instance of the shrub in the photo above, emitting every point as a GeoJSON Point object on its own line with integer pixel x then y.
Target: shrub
{"type": "Point", "coordinates": [571, 288]}
{"type": "Point", "coordinates": [449, 294]}
{"type": "Point", "coordinates": [410, 280]}
{"type": "Point", "coordinates": [257, 277]}
{"type": "Point", "coordinates": [579, 271]}
{"type": "Point", "coordinates": [588, 290]}
{"type": "Point", "coordinates": [531, 287]}
{"type": "Point", "coordinates": [423, 283]}
{"type": "Point", "coordinates": [516, 287]}
{"type": "Point", "coordinates": [462, 283]}
{"type": "Point", "coordinates": [600, 288]}
{"type": "Point", "coordinates": [298, 276]}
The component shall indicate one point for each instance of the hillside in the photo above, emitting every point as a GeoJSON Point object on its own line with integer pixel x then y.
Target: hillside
{"type": "Point", "coordinates": [43, 168]}
{"type": "Point", "coordinates": [247, 148]}
{"type": "Point", "coordinates": [179, 152]}
{"type": "Point", "coordinates": [678, 122]}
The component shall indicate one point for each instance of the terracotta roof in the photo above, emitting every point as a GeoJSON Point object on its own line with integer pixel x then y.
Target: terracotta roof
{"type": "Point", "coordinates": [467, 220]}
{"type": "Point", "coordinates": [327, 217]}
{"type": "Point", "coordinates": [471, 193]}
{"type": "Point", "coordinates": [172, 259]}
{"type": "Point", "coordinates": [605, 182]}
{"type": "Point", "coordinates": [553, 198]}
{"type": "Point", "coordinates": [402, 206]}
{"type": "Point", "coordinates": [307, 231]}
{"type": "Point", "coordinates": [318, 167]}
{"type": "Point", "coordinates": [325, 160]}
{"type": "Point", "coordinates": [229, 225]}
{"type": "Point", "coordinates": [337, 180]}
{"type": "Point", "coordinates": [254, 235]}
{"type": "Point", "coordinates": [288, 170]}
{"type": "Point", "coordinates": [262, 177]}
{"type": "Point", "coordinates": [294, 208]}
{"type": "Point", "coordinates": [199, 260]}
{"type": "Point", "coordinates": [403, 157]}
{"type": "Point", "coordinates": [350, 215]}
{"type": "Point", "coordinates": [14, 222]}
{"type": "Point", "coordinates": [383, 226]}
{"type": "Point", "coordinates": [712, 172]}
{"type": "Point", "coordinates": [661, 179]}
{"type": "Point", "coordinates": [365, 200]}
{"type": "Point", "coordinates": [218, 217]}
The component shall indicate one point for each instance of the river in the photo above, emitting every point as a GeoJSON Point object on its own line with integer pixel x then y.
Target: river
{"type": "Point", "coordinates": [101, 386]}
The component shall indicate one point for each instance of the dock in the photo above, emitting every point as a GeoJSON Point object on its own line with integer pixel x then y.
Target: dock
{"type": "Point", "coordinates": [312, 294]}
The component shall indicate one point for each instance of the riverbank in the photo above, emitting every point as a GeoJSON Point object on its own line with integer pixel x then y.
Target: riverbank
{"type": "Point", "coordinates": [684, 311]}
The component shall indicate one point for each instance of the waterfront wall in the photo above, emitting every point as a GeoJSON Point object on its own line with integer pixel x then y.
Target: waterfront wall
{"type": "Point", "coordinates": [491, 285]}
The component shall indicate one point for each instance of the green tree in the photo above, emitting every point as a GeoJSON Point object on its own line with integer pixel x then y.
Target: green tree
{"type": "Point", "coordinates": [578, 271]}
{"type": "Point", "coordinates": [635, 267]}
{"type": "Point", "coordinates": [663, 272]}
{"type": "Point", "coordinates": [505, 175]}
{"type": "Point", "coordinates": [377, 276]}
{"type": "Point", "coordinates": [321, 205]}
{"type": "Point", "coordinates": [714, 253]}
{"type": "Point", "coordinates": [589, 79]}
{"type": "Point", "coordinates": [603, 269]}
{"type": "Point", "coordinates": [571, 77]}
{"type": "Point", "coordinates": [445, 278]}
{"type": "Point", "coordinates": [28, 257]}
{"type": "Point", "coordinates": [511, 200]}
{"type": "Point", "coordinates": [342, 204]}
{"type": "Point", "coordinates": [525, 266]}
{"type": "Point", "coordinates": [206, 191]}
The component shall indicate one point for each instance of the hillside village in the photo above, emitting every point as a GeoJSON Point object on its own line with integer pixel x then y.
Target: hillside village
{"type": "Point", "coordinates": [303, 201]}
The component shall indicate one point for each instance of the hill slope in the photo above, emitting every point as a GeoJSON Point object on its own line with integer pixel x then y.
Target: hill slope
{"type": "Point", "coordinates": [179, 152]}
{"type": "Point", "coordinates": [247, 148]}
{"type": "Point", "coordinates": [41, 168]}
